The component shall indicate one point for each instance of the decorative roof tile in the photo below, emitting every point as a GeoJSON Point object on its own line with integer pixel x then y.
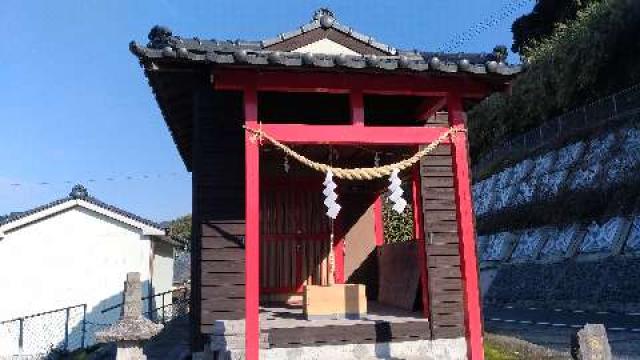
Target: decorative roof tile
{"type": "Point", "coordinates": [164, 46]}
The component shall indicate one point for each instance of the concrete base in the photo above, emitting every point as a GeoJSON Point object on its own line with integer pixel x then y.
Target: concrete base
{"type": "Point", "coordinates": [227, 340]}
{"type": "Point", "coordinates": [445, 349]}
{"type": "Point", "coordinates": [129, 350]}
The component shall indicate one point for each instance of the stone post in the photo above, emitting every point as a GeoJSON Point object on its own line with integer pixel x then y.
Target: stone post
{"type": "Point", "coordinates": [591, 343]}
{"type": "Point", "coordinates": [132, 329]}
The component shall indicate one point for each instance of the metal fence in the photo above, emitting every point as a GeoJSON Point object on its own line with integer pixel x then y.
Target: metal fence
{"type": "Point", "coordinates": [44, 332]}
{"type": "Point", "coordinates": [169, 307]}
{"type": "Point", "coordinates": [602, 112]}
{"type": "Point", "coordinates": [165, 306]}
{"type": "Point", "coordinates": [71, 328]}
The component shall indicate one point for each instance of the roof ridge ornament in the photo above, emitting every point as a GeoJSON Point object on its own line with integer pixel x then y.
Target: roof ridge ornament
{"type": "Point", "coordinates": [322, 12]}
{"type": "Point", "coordinates": [325, 16]}
{"type": "Point", "coordinates": [79, 192]}
{"type": "Point", "coordinates": [159, 32]}
{"type": "Point", "coordinates": [159, 35]}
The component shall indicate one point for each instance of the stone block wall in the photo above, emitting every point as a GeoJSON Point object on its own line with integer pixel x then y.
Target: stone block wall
{"type": "Point", "coordinates": [609, 284]}
{"type": "Point", "coordinates": [562, 228]}
{"type": "Point", "coordinates": [602, 162]}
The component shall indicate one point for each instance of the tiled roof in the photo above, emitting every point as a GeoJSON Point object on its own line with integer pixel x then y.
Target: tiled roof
{"type": "Point", "coordinates": [325, 18]}
{"type": "Point", "coordinates": [79, 192]}
{"type": "Point", "coordinates": [164, 46]}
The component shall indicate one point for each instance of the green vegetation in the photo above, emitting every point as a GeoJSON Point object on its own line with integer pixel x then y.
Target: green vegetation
{"type": "Point", "coordinates": [495, 352]}
{"type": "Point", "coordinates": [498, 347]}
{"type": "Point", "coordinates": [397, 227]}
{"type": "Point", "coordinates": [583, 59]}
{"type": "Point", "coordinates": [180, 229]}
{"type": "Point", "coordinates": [541, 22]}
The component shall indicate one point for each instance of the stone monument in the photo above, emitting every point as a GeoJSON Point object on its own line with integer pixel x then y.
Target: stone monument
{"type": "Point", "coordinates": [591, 343]}
{"type": "Point", "coordinates": [132, 329]}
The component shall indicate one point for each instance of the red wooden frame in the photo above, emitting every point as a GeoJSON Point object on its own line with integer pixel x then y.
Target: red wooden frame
{"type": "Point", "coordinates": [356, 98]}
{"type": "Point", "coordinates": [353, 134]}
{"type": "Point", "coordinates": [338, 252]}
{"type": "Point", "coordinates": [464, 207]}
{"type": "Point", "coordinates": [341, 83]}
{"type": "Point", "coordinates": [251, 81]}
{"type": "Point", "coordinates": [252, 232]}
{"type": "Point", "coordinates": [378, 221]}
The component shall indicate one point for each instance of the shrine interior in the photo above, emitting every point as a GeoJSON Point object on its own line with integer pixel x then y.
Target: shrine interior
{"type": "Point", "coordinates": [296, 234]}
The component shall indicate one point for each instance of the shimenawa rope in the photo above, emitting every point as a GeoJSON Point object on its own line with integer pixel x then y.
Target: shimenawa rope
{"type": "Point", "coordinates": [356, 173]}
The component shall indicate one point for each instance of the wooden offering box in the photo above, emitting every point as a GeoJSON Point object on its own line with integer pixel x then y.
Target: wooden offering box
{"type": "Point", "coordinates": [339, 301]}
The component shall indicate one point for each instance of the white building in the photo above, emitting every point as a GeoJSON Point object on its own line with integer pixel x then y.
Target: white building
{"type": "Point", "coordinates": [74, 251]}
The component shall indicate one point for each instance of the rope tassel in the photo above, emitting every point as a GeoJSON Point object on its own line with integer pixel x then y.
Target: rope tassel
{"type": "Point", "coordinates": [330, 196]}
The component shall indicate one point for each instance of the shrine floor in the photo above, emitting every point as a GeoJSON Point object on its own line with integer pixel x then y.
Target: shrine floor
{"type": "Point", "coordinates": [384, 333]}
{"type": "Point", "coordinates": [286, 326]}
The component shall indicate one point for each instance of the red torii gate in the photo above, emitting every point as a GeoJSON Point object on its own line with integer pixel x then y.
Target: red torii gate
{"type": "Point", "coordinates": [448, 92]}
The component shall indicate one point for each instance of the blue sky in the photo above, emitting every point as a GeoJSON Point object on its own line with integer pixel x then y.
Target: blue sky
{"type": "Point", "coordinates": [75, 106]}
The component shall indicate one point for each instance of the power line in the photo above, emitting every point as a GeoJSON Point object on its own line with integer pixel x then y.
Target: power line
{"type": "Point", "coordinates": [494, 19]}
{"type": "Point", "coordinates": [143, 177]}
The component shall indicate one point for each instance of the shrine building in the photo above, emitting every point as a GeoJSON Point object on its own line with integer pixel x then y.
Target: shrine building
{"type": "Point", "coordinates": [297, 145]}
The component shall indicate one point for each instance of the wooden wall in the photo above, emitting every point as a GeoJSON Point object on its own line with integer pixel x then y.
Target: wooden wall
{"type": "Point", "coordinates": [218, 208]}
{"type": "Point", "coordinates": [399, 274]}
{"type": "Point", "coordinates": [442, 244]}
{"type": "Point", "coordinates": [360, 242]}
{"type": "Point", "coordinates": [356, 227]}
{"type": "Point", "coordinates": [361, 333]}
{"type": "Point", "coordinates": [294, 238]}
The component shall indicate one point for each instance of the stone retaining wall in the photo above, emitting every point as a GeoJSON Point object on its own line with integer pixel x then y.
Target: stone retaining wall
{"type": "Point", "coordinates": [563, 228]}
{"type": "Point", "coordinates": [609, 284]}
{"type": "Point", "coordinates": [603, 170]}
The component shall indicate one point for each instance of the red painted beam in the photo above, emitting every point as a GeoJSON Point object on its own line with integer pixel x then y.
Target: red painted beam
{"type": "Point", "coordinates": [418, 233]}
{"type": "Point", "coordinates": [466, 232]}
{"type": "Point", "coordinates": [343, 82]}
{"type": "Point", "coordinates": [349, 134]}
{"type": "Point", "coordinates": [252, 235]}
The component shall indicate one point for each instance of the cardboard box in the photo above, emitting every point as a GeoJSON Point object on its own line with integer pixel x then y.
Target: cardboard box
{"type": "Point", "coordinates": [339, 301]}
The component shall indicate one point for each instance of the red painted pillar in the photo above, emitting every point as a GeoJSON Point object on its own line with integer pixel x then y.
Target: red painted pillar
{"type": "Point", "coordinates": [469, 262]}
{"type": "Point", "coordinates": [418, 233]}
{"type": "Point", "coordinates": [357, 107]}
{"type": "Point", "coordinates": [338, 251]}
{"type": "Point", "coordinates": [378, 221]}
{"type": "Point", "coordinates": [252, 232]}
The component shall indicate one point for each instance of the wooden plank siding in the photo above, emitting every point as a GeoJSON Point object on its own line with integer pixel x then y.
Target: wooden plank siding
{"type": "Point", "coordinates": [442, 245]}
{"type": "Point", "coordinates": [378, 332]}
{"type": "Point", "coordinates": [294, 243]}
{"type": "Point", "coordinates": [219, 225]}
